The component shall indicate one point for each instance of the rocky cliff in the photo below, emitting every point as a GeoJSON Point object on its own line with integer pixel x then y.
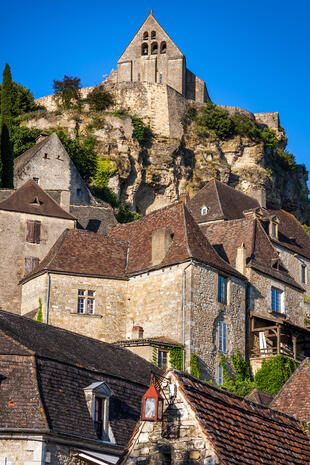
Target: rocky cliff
{"type": "Point", "coordinates": [180, 157]}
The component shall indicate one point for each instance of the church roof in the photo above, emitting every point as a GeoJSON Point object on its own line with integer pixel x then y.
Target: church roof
{"type": "Point", "coordinates": [222, 201]}
{"type": "Point", "coordinates": [294, 397]}
{"type": "Point", "coordinates": [227, 236]}
{"type": "Point", "coordinates": [30, 198]}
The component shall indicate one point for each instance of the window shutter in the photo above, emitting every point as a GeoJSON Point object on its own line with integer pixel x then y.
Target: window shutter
{"type": "Point", "coordinates": [220, 336]}
{"type": "Point", "coordinates": [224, 338]}
{"type": "Point", "coordinates": [30, 231]}
{"type": "Point", "coordinates": [37, 232]}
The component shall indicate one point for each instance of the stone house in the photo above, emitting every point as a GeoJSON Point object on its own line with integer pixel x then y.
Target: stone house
{"type": "Point", "coordinates": [250, 238]}
{"type": "Point", "coordinates": [152, 57]}
{"type": "Point", "coordinates": [158, 273]}
{"type": "Point", "coordinates": [65, 397]}
{"type": "Point", "coordinates": [30, 222]}
{"type": "Point", "coordinates": [203, 425]}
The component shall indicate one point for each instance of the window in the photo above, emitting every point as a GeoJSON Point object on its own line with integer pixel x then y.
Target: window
{"type": "Point", "coordinates": [160, 78]}
{"type": "Point", "coordinates": [46, 156]}
{"type": "Point", "coordinates": [139, 77]}
{"type": "Point", "coordinates": [222, 289]}
{"type": "Point", "coordinates": [30, 264]}
{"type": "Point", "coordinates": [99, 416]}
{"type": "Point", "coordinates": [36, 180]}
{"type": "Point", "coordinates": [276, 297]}
{"type": "Point", "coordinates": [145, 35]}
{"type": "Point", "coordinates": [78, 192]}
{"type": "Point", "coordinates": [33, 231]}
{"type": "Point", "coordinates": [153, 35]}
{"type": "Point", "coordinates": [163, 47]}
{"type": "Point", "coordinates": [204, 210]}
{"type": "Point", "coordinates": [97, 398]}
{"type": "Point", "coordinates": [220, 374]}
{"type": "Point", "coordinates": [154, 48]}
{"type": "Point", "coordinates": [144, 49]}
{"type": "Point", "coordinates": [303, 273]}
{"type": "Point", "coordinates": [86, 302]}
{"type": "Point", "coordinates": [162, 359]}
{"type": "Point", "coordinates": [222, 337]}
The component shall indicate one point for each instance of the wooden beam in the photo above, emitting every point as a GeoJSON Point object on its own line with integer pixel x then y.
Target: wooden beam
{"type": "Point", "coordinates": [278, 339]}
{"type": "Point", "coordinates": [294, 340]}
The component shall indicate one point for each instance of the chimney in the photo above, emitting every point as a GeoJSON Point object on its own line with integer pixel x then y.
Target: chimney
{"type": "Point", "coordinates": [241, 259]}
{"type": "Point", "coordinates": [43, 135]}
{"type": "Point", "coordinates": [137, 332]}
{"type": "Point", "coordinates": [184, 197]}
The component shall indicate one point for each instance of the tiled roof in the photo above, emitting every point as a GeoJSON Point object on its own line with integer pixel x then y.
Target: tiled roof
{"type": "Point", "coordinates": [46, 370]}
{"type": "Point", "coordinates": [263, 398]}
{"type": "Point", "coordinates": [294, 397]}
{"type": "Point", "coordinates": [160, 340]}
{"type": "Point", "coordinates": [30, 198]}
{"type": "Point", "coordinates": [243, 432]}
{"type": "Point", "coordinates": [85, 253]}
{"type": "Point", "coordinates": [222, 202]}
{"type": "Point", "coordinates": [187, 241]}
{"type": "Point", "coordinates": [98, 219]}
{"type": "Point", "coordinates": [291, 233]}
{"type": "Point", "coordinates": [227, 236]}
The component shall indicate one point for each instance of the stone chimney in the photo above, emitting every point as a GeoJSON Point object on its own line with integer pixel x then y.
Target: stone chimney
{"type": "Point", "coordinates": [43, 135]}
{"type": "Point", "coordinates": [137, 332]}
{"type": "Point", "coordinates": [241, 259]}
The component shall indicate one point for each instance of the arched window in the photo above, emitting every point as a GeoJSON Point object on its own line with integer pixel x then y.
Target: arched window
{"type": "Point", "coordinates": [153, 35]}
{"type": "Point", "coordinates": [145, 35]}
{"type": "Point", "coordinates": [154, 49]}
{"type": "Point", "coordinates": [163, 47]}
{"type": "Point", "coordinates": [144, 49]}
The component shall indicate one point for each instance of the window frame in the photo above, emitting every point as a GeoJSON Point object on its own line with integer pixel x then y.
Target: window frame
{"type": "Point", "coordinates": [222, 337]}
{"type": "Point", "coordinates": [278, 308]}
{"type": "Point", "coordinates": [86, 302]}
{"type": "Point", "coordinates": [220, 374]}
{"type": "Point", "coordinates": [162, 360]}
{"type": "Point", "coordinates": [33, 235]}
{"type": "Point", "coordinates": [222, 289]}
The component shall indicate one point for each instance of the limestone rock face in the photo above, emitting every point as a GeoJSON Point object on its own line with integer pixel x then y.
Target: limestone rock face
{"type": "Point", "coordinates": [157, 174]}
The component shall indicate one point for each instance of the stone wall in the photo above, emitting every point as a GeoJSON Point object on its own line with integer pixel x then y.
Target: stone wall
{"type": "Point", "coordinates": [260, 298]}
{"type": "Point", "coordinates": [178, 439]}
{"type": "Point", "coordinates": [23, 450]}
{"type": "Point", "coordinates": [206, 312]}
{"type": "Point", "coordinates": [108, 321]}
{"type": "Point", "coordinates": [13, 231]}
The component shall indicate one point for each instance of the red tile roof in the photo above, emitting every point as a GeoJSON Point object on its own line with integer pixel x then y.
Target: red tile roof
{"type": "Point", "coordinates": [294, 397]}
{"type": "Point", "coordinates": [243, 432]}
{"type": "Point", "coordinates": [30, 198]}
{"type": "Point", "coordinates": [187, 241]}
{"type": "Point", "coordinates": [263, 398]}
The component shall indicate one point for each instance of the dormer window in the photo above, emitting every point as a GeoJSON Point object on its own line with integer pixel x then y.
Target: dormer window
{"type": "Point", "coordinates": [97, 399]}
{"type": "Point", "coordinates": [204, 210]}
{"type": "Point", "coordinates": [273, 227]}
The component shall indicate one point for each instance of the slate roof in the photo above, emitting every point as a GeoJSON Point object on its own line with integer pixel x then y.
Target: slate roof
{"type": "Point", "coordinates": [30, 198]}
{"type": "Point", "coordinates": [291, 233]}
{"type": "Point", "coordinates": [84, 253]}
{"type": "Point", "coordinates": [223, 202]}
{"type": "Point", "coordinates": [188, 242]}
{"type": "Point", "coordinates": [227, 236]}
{"type": "Point", "coordinates": [294, 397]}
{"type": "Point", "coordinates": [97, 219]}
{"type": "Point", "coordinates": [243, 432]}
{"type": "Point", "coordinates": [263, 398]}
{"type": "Point", "coordinates": [46, 370]}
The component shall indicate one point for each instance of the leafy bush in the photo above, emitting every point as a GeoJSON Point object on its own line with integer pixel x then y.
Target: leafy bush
{"type": "Point", "coordinates": [285, 159]}
{"type": "Point", "coordinates": [176, 357]}
{"type": "Point", "coordinates": [141, 133]}
{"type": "Point", "coordinates": [218, 120]}
{"type": "Point", "coordinates": [68, 91]}
{"type": "Point", "coordinates": [81, 152]}
{"type": "Point", "coordinates": [22, 100]}
{"type": "Point", "coordinates": [23, 139]}
{"type": "Point", "coordinates": [274, 372]}
{"type": "Point", "coordinates": [194, 366]}
{"type": "Point", "coordinates": [120, 113]}
{"type": "Point", "coordinates": [245, 127]}
{"type": "Point", "coordinates": [125, 215]}
{"type": "Point", "coordinates": [241, 382]}
{"type": "Point", "coordinates": [269, 137]}
{"type": "Point", "coordinates": [99, 99]}
{"type": "Point", "coordinates": [105, 169]}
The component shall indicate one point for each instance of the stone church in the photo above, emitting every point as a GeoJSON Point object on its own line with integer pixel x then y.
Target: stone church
{"type": "Point", "coordinates": [153, 57]}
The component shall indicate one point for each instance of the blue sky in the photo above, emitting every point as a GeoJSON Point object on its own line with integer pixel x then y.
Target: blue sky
{"type": "Point", "coordinates": [251, 54]}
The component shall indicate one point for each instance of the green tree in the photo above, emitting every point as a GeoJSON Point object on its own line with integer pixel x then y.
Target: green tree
{"type": "Point", "coordinates": [68, 91]}
{"type": "Point", "coordinates": [82, 153]}
{"type": "Point", "coordinates": [218, 120]}
{"type": "Point", "coordinates": [240, 382]}
{"type": "Point", "coordinates": [105, 169]}
{"type": "Point", "coordinates": [23, 139]}
{"type": "Point", "coordinates": [7, 159]}
{"type": "Point", "coordinates": [99, 99]}
{"type": "Point", "coordinates": [275, 371]}
{"type": "Point", "coordinates": [194, 366]}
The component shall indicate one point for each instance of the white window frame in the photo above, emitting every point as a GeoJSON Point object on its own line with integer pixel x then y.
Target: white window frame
{"type": "Point", "coordinates": [204, 210]}
{"type": "Point", "coordinates": [86, 301]}
{"type": "Point", "coordinates": [100, 390]}
{"type": "Point", "coordinates": [281, 299]}
{"type": "Point", "coordinates": [220, 374]}
{"type": "Point", "coordinates": [222, 336]}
